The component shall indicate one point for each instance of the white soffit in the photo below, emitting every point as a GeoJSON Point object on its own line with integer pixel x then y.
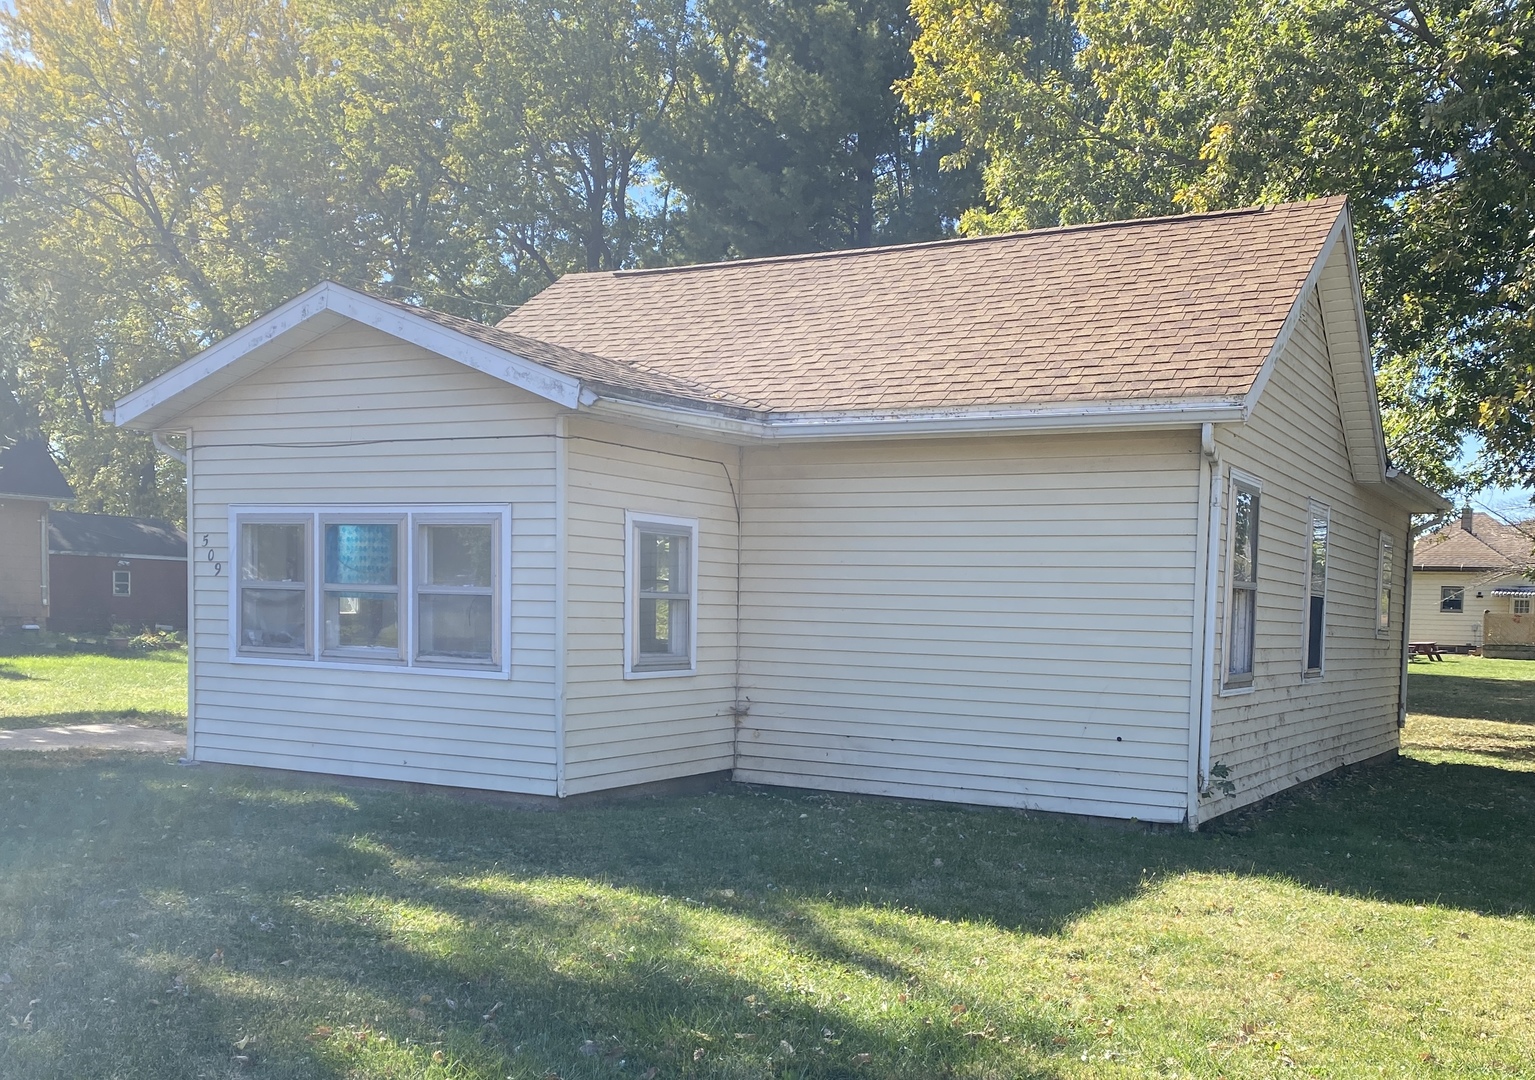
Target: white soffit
{"type": "Point", "coordinates": [306, 318]}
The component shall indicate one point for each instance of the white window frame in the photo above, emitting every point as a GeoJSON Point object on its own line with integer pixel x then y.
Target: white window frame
{"type": "Point", "coordinates": [365, 654]}
{"type": "Point", "coordinates": [633, 668]}
{"type": "Point", "coordinates": [498, 605]}
{"type": "Point", "coordinates": [1517, 601]}
{"type": "Point", "coordinates": [122, 582]}
{"type": "Point", "coordinates": [1385, 583]}
{"type": "Point", "coordinates": [1243, 683]}
{"type": "Point", "coordinates": [1315, 512]}
{"type": "Point", "coordinates": [409, 514]}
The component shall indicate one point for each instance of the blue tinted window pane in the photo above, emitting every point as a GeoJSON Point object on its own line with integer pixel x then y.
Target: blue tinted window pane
{"type": "Point", "coordinates": [361, 554]}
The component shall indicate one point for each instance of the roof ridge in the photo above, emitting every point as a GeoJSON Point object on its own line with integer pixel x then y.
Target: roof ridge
{"type": "Point", "coordinates": [959, 241]}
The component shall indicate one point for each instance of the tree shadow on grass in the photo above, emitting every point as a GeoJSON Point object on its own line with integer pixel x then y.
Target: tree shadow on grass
{"type": "Point", "coordinates": [9, 672]}
{"type": "Point", "coordinates": [371, 901]}
{"type": "Point", "coordinates": [1468, 698]}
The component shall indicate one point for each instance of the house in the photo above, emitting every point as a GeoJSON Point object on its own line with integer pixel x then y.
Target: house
{"type": "Point", "coordinates": [1072, 520]}
{"type": "Point", "coordinates": [1468, 568]}
{"type": "Point", "coordinates": [116, 571]}
{"type": "Point", "coordinates": [29, 482]}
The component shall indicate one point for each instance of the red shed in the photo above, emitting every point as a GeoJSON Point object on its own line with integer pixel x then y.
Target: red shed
{"type": "Point", "coordinates": [107, 571]}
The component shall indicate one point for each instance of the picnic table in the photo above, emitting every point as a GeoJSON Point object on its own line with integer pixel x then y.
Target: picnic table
{"type": "Point", "coordinates": [1427, 649]}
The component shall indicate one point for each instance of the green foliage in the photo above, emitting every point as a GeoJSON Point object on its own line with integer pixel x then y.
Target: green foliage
{"type": "Point", "coordinates": [1423, 114]}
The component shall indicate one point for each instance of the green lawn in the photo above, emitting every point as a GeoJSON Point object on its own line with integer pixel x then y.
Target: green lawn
{"type": "Point", "coordinates": [158, 921]}
{"type": "Point", "coordinates": [1471, 711]}
{"type": "Point", "coordinates": [44, 689]}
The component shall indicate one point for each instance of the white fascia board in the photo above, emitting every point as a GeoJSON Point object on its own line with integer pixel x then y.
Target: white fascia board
{"type": "Point", "coordinates": [1414, 495]}
{"type": "Point", "coordinates": [284, 328]}
{"type": "Point", "coordinates": [926, 423]}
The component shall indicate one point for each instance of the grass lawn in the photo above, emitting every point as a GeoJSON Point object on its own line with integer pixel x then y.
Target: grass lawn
{"type": "Point", "coordinates": [158, 921]}
{"type": "Point", "coordinates": [44, 689]}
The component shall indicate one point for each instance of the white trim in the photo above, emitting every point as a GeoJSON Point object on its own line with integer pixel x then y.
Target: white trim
{"type": "Point", "coordinates": [1204, 620]}
{"type": "Point", "coordinates": [284, 328]}
{"type": "Point", "coordinates": [919, 423]}
{"type": "Point", "coordinates": [191, 520]}
{"type": "Point", "coordinates": [1384, 581]}
{"type": "Point", "coordinates": [561, 587]}
{"type": "Point", "coordinates": [632, 520]}
{"type": "Point", "coordinates": [127, 575]}
{"type": "Point", "coordinates": [1307, 672]}
{"type": "Point", "coordinates": [408, 514]}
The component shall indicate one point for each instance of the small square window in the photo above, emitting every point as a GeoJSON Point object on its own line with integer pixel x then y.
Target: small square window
{"type": "Point", "coordinates": [1452, 598]}
{"type": "Point", "coordinates": [122, 582]}
{"type": "Point", "coordinates": [1522, 606]}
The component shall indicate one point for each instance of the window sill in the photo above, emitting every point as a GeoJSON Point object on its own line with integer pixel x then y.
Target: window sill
{"type": "Point", "coordinates": [355, 665]}
{"type": "Point", "coordinates": [660, 672]}
{"type": "Point", "coordinates": [1237, 690]}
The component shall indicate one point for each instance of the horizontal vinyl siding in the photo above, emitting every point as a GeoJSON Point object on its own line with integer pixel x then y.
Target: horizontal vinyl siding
{"type": "Point", "coordinates": [1456, 628]}
{"type": "Point", "coordinates": [1000, 621]}
{"type": "Point", "coordinates": [1288, 730]}
{"type": "Point", "coordinates": [621, 731]}
{"type": "Point", "coordinates": [21, 560]}
{"type": "Point", "coordinates": [424, 430]}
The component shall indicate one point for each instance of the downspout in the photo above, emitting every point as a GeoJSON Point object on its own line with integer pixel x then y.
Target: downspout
{"type": "Point", "coordinates": [1401, 696]}
{"type": "Point", "coordinates": [168, 450]}
{"type": "Point", "coordinates": [42, 520]}
{"type": "Point", "coordinates": [186, 458]}
{"type": "Point", "coordinates": [1211, 461]}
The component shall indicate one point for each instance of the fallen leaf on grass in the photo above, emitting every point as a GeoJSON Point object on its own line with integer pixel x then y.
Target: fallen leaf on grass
{"type": "Point", "coordinates": [245, 1042]}
{"type": "Point", "coordinates": [862, 1059]}
{"type": "Point", "coordinates": [322, 1031]}
{"type": "Point", "coordinates": [649, 1074]}
{"type": "Point", "coordinates": [589, 1048]}
{"type": "Point", "coordinates": [438, 1056]}
{"type": "Point", "coordinates": [784, 1048]}
{"type": "Point", "coordinates": [416, 1014]}
{"type": "Point", "coordinates": [698, 1055]}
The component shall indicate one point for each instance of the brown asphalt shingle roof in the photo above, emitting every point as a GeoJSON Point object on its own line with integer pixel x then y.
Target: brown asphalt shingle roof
{"type": "Point", "coordinates": [1492, 545]}
{"type": "Point", "coordinates": [1183, 308]}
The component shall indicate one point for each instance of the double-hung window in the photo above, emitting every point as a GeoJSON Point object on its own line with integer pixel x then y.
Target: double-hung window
{"type": "Point", "coordinates": [1316, 587]}
{"type": "Point", "coordinates": [122, 582]}
{"type": "Point", "coordinates": [661, 582]}
{"type": "Point", "coordinates": [1385, 582]}
{"type": "Point", "coordinates": [1452, 598]}
{"type": "Point", "coordinates": [411, 587]}
{"type": "Point", "coordinates": [1242, 580]}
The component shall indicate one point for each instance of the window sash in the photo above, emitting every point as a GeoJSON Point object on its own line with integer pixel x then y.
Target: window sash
{"type": "Point", "coordinates": [122, 583]}
{"type": "Point", "coordinates": [278, 592]}
{"type": "Point", "coordinates": [660, 627]}
{"type": "Point", "coordinates": [1316, 588]}
{"type": "Point", "coordinates": [1243, 518]}
{"type": "Point", "coordinates": [1521, 606]}
{"type": "Point", "coordinates": [1385, 582]}
{"type": "Point", "coordinates": [360, 604]}
{"type": "Point", "coordinates": [1452, 598]}
{"type": "Point", "coordinates": [467, 603]}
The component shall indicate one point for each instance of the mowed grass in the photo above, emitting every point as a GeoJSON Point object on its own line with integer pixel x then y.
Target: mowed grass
{"type": "Point", "coordinates": [1472, 711]}
{"type": "Point", "coordinates": [46, 689]}
{"type": "Point", "coordinates": [158, 921]}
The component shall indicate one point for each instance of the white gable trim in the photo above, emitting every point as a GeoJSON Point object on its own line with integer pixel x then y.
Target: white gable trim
{"type": "Point", "coordinates": [300, 321]}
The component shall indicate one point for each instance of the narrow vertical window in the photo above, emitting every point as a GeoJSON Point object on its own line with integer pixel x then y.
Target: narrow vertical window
{"type": "Point", "coordinates": [1385, 583]}
{"type": "Point", "coordinates": [362, 589]}
{"type": "Point", "coordinates": [122, 582]}
{"type": "Point", "coordinates": [273, 587]}
{"type": "Point", "coordinates": [659, 598]}
{"type": "Point", "coordinates": [1316, 587]}
{"type": "Point", "coordinates": [455, 592]}
{"type": "Point", "coordinates": [1242, 575]}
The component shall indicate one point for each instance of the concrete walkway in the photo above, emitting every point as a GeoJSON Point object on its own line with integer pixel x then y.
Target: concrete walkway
{"type": "Point", "coordinates": [94, 737]}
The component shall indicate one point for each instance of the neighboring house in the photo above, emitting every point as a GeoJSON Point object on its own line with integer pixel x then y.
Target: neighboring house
{"type": "Point", "coordinates": [29, 481]}
{"type": "Point", "coordinates": [116, 571]}
{"type": "Point", "coordinates": [1060, 520]}
{"type": "Point", "coordinates": [1463, 570]}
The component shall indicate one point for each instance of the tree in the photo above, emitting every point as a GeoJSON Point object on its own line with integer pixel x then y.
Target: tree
{"type": "Point", "coordinates": [790, 136]}
{"type": "Point", "coordinates": [1423, 114]}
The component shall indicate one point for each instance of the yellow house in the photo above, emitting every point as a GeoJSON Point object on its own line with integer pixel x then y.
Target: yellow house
{"type": "Point", "coordinates": [1474, 566]}
{"type": "Point", "coordinates": [1095, 520]}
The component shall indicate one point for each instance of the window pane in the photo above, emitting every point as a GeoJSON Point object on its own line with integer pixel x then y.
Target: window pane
{"type": "Point", "coordinates": [1314, 626]}
{"type": "Point", "coordinates": [663, 628]}
{"type": "Point", "coordinates": [361, 554]}
{"type": "Point", "coordinates": [358, 620]}
{"type": "Point", "coordinates": [1452, 598]}
{"type": "Point", "coordinates": [663, 562]}
{"type": "Point", "coordinates": [1318, 553]}
{"type": "Point", "coordinates": [1243, 602]}
{"type": "Point", "coordinates": [1244, 535]}
{"type": "Point", "coordinates": [271, 552]}
{"type": "Point", "coordinates": [458, 555]}
{"type": "Point", "coordinates": [456, 626]}
{"type": "Point", "coordinates": [272, 619]}
{"type": "Point", "coordinates": [1387, 573]}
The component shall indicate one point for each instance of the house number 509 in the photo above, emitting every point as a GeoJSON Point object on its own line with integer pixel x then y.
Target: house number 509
{"type": "Point", "coordinates": [212, 556]}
